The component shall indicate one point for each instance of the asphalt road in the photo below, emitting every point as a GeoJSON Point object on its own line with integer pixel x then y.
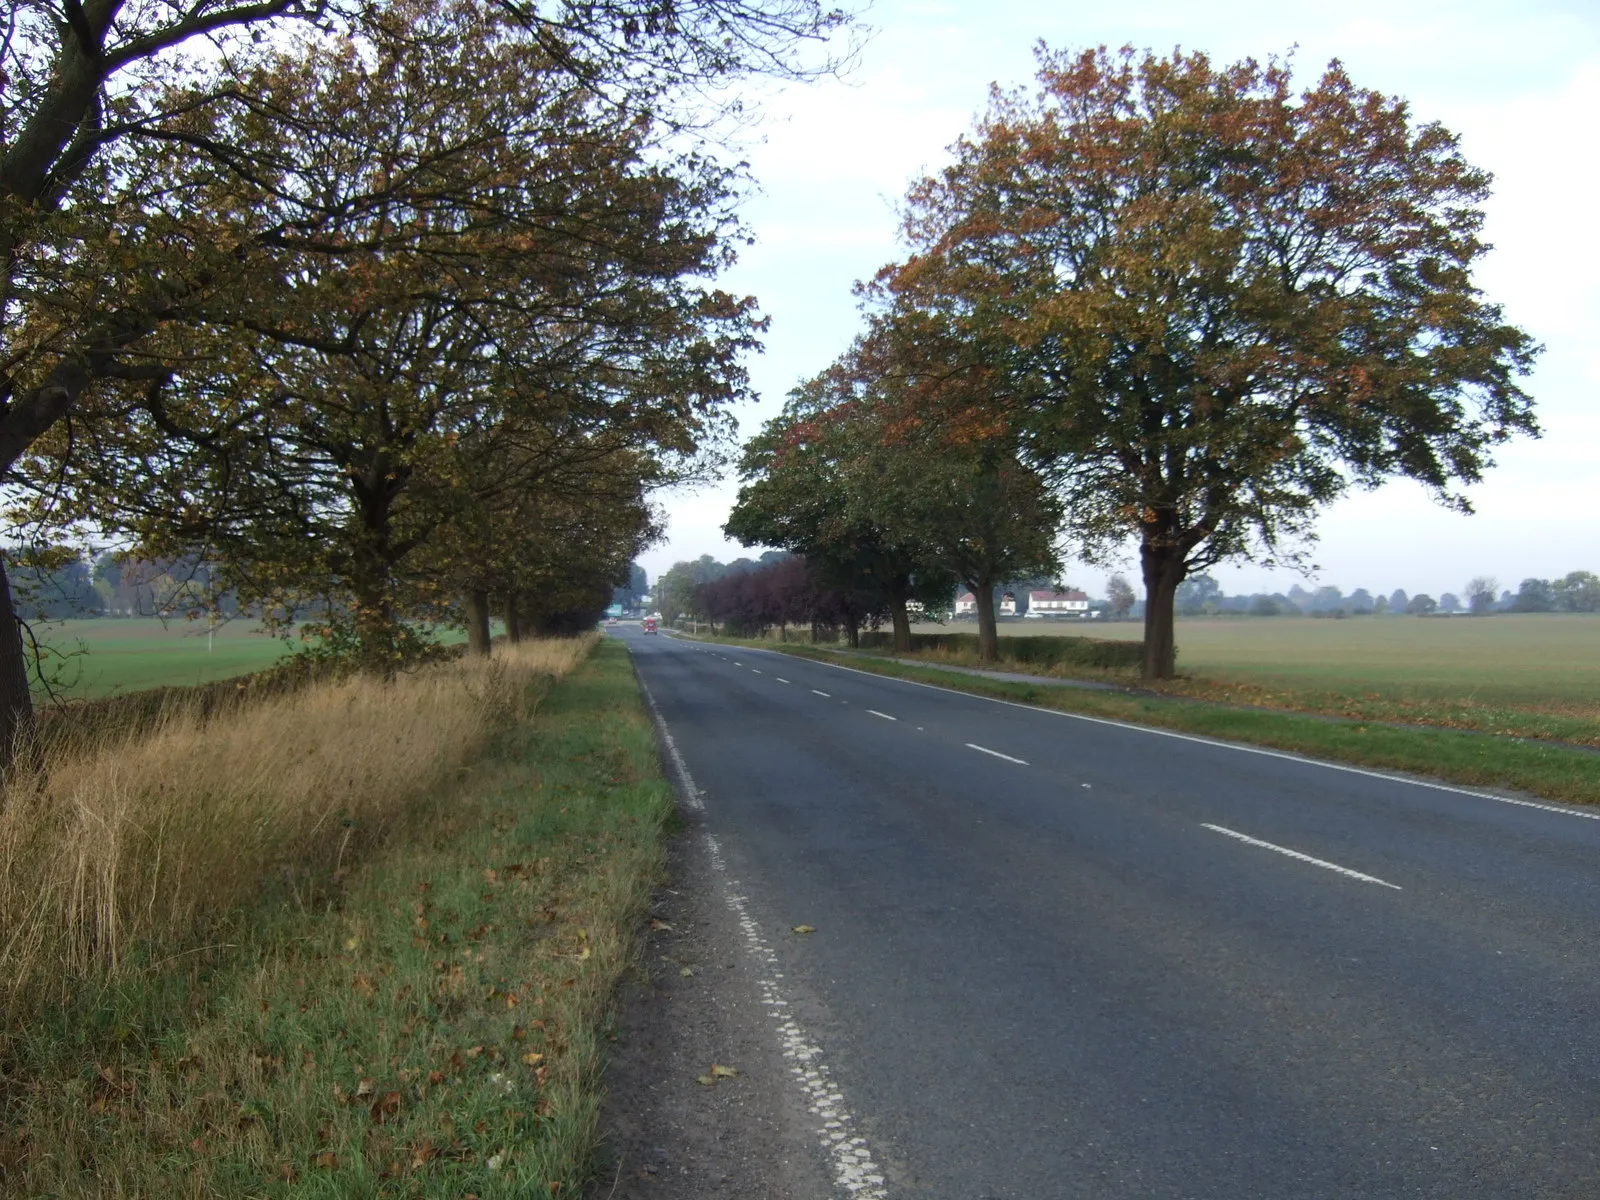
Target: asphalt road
{"type": "Point", "coordinates": [1055, 957]}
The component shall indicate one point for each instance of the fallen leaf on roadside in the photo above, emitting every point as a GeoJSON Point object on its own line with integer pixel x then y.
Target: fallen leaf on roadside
{"type": "Point", "coordinates": [658, 923]}
{"type": "Point", "coordinates": [686, 971]}
{"type": "Point", "coordinates": [722, 1072]}
{"type": "Point", "coordinates": [705, 1080]}
{"type": "Point", "coordinates": [805, 928]}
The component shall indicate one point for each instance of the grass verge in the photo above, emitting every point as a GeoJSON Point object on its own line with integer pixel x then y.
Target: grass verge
{"type": "Point", "coordinates": [1551, 771]}
{"type": "Point", "coordinates": [416, 1012]}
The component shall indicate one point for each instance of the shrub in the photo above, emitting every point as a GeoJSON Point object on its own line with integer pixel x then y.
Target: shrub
{"type": "Point", "coordinates": [1043, 651]}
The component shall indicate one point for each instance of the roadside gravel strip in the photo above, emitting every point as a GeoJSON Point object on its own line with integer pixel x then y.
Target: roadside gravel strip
{"type": "Point", "coordinates": [854, 1171]}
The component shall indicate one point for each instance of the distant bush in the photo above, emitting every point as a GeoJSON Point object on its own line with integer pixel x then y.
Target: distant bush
{"type": "Point", "coordinates": [1038, 651]}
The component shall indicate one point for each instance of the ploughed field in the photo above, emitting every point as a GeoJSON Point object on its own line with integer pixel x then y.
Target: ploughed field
{"type": "Point", "coordinates": [1534, 674]}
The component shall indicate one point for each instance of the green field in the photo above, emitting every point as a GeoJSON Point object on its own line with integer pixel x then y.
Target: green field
{"type": "Point", "coordinates": [1531, 674]}
{"type": "Point", "coordinates": [109, 655]}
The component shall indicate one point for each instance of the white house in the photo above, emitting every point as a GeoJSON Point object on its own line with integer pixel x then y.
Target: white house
{"type": "Point", "coordinates": [967, 605]}
{"type": "Point", "coordinates": [1058, 604]}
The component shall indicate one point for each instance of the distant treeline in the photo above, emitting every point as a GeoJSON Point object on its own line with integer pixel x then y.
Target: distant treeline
{"type": "Point", "coordinates": [1578, 591]}
{"type": "Point", "coordinates": [58, 584]}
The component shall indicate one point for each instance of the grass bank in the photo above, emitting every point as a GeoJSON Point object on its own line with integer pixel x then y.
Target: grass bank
{"type": "Point", "coordinates": [359, 941]}
{"type": "Point", "coordinates": [1551, 771]}
{"type": "Point", "coordinates": [1533, 675]}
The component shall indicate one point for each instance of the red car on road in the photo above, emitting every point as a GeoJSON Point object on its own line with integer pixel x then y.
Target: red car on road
{"type": "Point", "coordinates": [649, 624]}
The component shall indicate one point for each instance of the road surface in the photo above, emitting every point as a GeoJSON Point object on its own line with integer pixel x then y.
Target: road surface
{"type": "Point", "coordinates": [1059, 957]}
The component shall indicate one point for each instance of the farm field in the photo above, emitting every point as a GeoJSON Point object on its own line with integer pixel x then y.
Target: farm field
{"type": "Point", "coordinates": [110, 655]}
{"type": "Point", "coordinates": [1532, 674]}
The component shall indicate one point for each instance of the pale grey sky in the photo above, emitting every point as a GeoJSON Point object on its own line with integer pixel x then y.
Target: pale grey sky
{"type": "Point", "coordinates": [1520, 82]}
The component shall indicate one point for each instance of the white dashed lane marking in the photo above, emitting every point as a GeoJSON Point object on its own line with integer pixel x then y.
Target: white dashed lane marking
{"type": "Point", "coordinates": [885, 716]}
{"type": "Point", "coordinates": [824, 695]}
{"type": "Point", "coordinates": [1295, 854]}
{"type": "Point", "coordinates": [985, 750]}
{"type": "Point", "coordinates": [780, 679]}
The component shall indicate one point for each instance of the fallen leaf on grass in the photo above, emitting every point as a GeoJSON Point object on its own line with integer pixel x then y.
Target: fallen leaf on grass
{"type": "Point", "coordinates": [533, 1059]}
{"type": "Point", "coordinates": [805, 928]}
{"type": "Point", "coordinates": [385, 1106]}
{"type": "Point", "coordinates": [327, 1160]}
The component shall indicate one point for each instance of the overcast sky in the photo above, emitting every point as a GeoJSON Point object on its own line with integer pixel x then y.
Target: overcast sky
{"type": "Point", "coordinates": [1520, 82]}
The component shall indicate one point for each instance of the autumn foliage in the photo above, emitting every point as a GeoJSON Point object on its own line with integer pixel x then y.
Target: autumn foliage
{"type": "Point", "coordinates": [1209, 304]}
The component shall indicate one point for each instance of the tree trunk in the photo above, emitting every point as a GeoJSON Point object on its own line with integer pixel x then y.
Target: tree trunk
{"type": "Point", "coordinates": [852, 625]}
{"type": "Point", "coordinates": [988, 634]}
{"type": "Point", "coordinates": [477, 609]}
{"type": "Point", "coordinates": [374, 619]}
{"type": "Point", "coordinates": [899, 618]}
{"type": "Point", "coordinates": [1164, 569]}
{"type": "Point", "coordinates": [16, 705]}
{"type": "Point", "coordinates": [513, 619]}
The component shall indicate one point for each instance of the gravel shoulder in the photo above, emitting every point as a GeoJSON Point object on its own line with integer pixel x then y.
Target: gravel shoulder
{"type": "Point", "coordinates": [669, 1137]}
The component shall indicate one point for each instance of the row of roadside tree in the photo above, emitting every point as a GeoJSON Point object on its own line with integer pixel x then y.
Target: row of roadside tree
{"type": "Point", "coordinates": [1153, 300]}
{"type": "Point", "coordinates": [394, 311]}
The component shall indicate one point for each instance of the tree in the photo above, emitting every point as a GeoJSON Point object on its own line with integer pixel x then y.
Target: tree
{"type": "Point", "coordinates": [1480, 591]}
{"type": "Point", "coordinates": [1380, 606]}
{"type": "Point", "coordinates": [815, 483]}
{"type": "Point", "coordinates": [1194, 593]}
{"type": "Point", "coordinates": [128, 159]}
{"type": "Point", "coordinates": [1119, 596]}
{"type": "Point", "coordinates": [1534, 595]}
{"type": "Point", "coordinates": [519, 311]}
{"type": "Point", "coordinates": [1449, 602]}
{"type": "Point", "coordinates": [1421, 604]}
{"type": "Point", "coordinates": [1360, 601]}
{"type": "Point", "coordinates": [1218, 304]}
{"type": "Point", "coordinates": [1398, 600]}
{"type": "Point", "coordinates": [1578, 592]}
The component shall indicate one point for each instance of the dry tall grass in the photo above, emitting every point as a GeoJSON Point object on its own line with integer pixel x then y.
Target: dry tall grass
{"type": "Point", "coordinates": [139, 847]}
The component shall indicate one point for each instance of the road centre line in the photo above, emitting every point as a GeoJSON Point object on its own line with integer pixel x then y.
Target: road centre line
{"type": "Point", "coordinates": [824, 695]}
{"type": "Point", "coordinates": [1316, 862]}
{"type": "Point", "coordinates": [885, 716]}
{"type": "Point", "coordinates": [780, 679]}
{"type": "Point", "coordinates": [754, 671]}
{"type": "Point", "coordinates": [996, 753]}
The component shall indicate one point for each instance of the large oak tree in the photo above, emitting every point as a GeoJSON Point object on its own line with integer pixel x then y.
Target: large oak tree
{"type": "Point", "coordinates": [1213, 304]}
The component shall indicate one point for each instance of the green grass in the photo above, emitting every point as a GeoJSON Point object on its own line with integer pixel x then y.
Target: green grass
{"type": "Point", "coordinates": [427, 1023]}
{"type": "Point", "coordinates": [1551, 771]}
{"type": "Point", "coordinates": [1530, 675]}
{"type": "Point", "coordinates": [106, 655]}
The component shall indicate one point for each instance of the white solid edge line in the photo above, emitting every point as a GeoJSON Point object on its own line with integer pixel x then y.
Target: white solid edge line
{"type": "Point", "coordinates": [824, 695]}
{"type": "Point", "coordinates": [1316, 862]}
{"type": "Point", "coordinates": [1564, 810]}
{"type": "Point", "coordinates": [885, 716]}
{"type": "Point", "coordinates": [854, 1169]}
{"type": "Point", "coordinates": [985, 750]}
